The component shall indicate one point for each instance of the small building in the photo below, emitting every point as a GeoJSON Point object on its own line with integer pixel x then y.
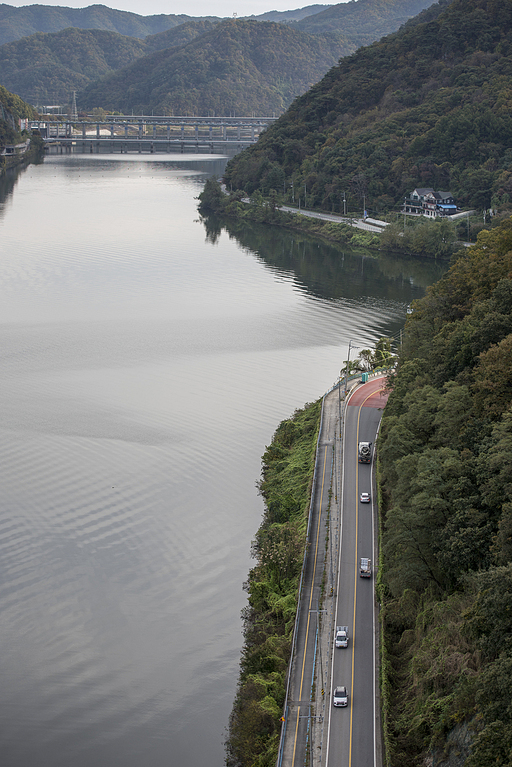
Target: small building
{"type": "Point", "coordinates": [424, 201]}
{"type": "Point", "coordinates": [13, 150]}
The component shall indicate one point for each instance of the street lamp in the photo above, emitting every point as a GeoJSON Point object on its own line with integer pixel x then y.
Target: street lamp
{"type": "Point", "coordinates": [353, 346]}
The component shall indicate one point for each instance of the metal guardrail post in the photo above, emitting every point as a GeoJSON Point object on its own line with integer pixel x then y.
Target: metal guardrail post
{"type": "Point", "coordinates": [294, 639]}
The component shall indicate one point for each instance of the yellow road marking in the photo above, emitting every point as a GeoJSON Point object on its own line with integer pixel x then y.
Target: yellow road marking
{"type": "Point", "coordinates": [356, 579]}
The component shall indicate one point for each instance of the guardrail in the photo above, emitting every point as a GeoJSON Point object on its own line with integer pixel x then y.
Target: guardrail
{"type": "Point", "coordinates": [353, 379]}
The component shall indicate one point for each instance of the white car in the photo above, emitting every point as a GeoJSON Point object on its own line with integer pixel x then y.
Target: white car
{"type": "Point", "coordinates": [340, 697]}
{"type": "Point", "coordinates": [365, 498]}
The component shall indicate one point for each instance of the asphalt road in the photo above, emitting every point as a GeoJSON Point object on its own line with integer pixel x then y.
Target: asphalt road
{"type": "Point", "coordinates": [358, 223]}
{"type": "Point", "coordinates": [330, 596]}
{"type": "Point", "coordinates": [351, 731]}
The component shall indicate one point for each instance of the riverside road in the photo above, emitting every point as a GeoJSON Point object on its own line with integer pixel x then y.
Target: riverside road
{"type": "Point", "coordinates": [339, 535]}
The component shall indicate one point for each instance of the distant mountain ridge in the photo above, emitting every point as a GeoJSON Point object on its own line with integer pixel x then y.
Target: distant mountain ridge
{"type": "Point", "coordinates": [16, 23]}
{"type": "Point", "coordinates": [46, 67]}
{"type": "Point", "coordinates": [287, 16]}
{"type": "Point", "coordinates": [362, 19]}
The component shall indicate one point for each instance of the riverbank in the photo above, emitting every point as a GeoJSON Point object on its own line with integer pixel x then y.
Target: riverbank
{"type": "Point", "coordinates": [33, 151]}
{"type": "Point", "coordinates": [272, 586]}
{"type": "Point", "coordinates": [422, 238]}
{"type": "Point", "coordinates": [235, 205]}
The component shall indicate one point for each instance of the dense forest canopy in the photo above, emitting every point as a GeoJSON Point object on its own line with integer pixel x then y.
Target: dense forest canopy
{"type": "Point", "coordinates": [362, 19]}
{"type": "Point", "coordinates": [28, 19]}
{"type": "Point", "coordinates": [240, 67]}
{"type": "Point", "coordinates": [445, 457]}
{"type": "Point", "coordinates": [428, 106]}
{"type": "Point", "coordinates": [47, 68]}
{"type": "Point", "coordinates": [65, 55]}
{"type": "Point", "coordinates": [12, 110]}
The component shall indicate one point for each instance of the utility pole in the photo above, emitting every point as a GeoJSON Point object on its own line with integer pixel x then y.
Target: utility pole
{"type": "Point", "coordinates": [353, 346]}
{"type": "Point", "coordinates": [344, 204]}
{"type": "Point", "coordinates": [74, 111]}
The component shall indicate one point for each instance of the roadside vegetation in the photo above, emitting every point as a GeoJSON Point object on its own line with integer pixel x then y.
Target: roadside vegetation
{"type": "Point", "coordinates": [419, 236]}
{"type": "Point", "coordinates": [272, 587]}
{"type": "Point", "coordinates": [266, 211]}
{"type": "Point", "coordinates": [445, 464]}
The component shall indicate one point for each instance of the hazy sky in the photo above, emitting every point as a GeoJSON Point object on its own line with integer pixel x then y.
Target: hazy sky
{"type": "Point", "coordinates": [190, 7]}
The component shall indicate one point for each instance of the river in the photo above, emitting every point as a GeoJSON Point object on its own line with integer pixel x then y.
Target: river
{"type": "Point", "coordinates": [146, 362]}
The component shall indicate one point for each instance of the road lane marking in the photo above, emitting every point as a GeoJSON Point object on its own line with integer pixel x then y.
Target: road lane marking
{"type": "Point", "coordinates": [356, 580]}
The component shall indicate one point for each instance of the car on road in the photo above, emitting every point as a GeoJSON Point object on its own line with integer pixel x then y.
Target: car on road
{"type": "Point", "coordinates": [340, 696]}
{"type": "Point", "coordinates": [365, 498]}
{"type": "Point", "coordinates": [341, 636]}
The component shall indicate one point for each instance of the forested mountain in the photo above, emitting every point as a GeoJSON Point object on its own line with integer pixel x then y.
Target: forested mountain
{"type": "Point", "coordinates": [46, 68]}
{"type": "Point", "coordinates": [240, 66]}
{"type": "Point", "coordinates": [445, 457]}
{"type": "Point", "coordinates": [379, 16]}
{"type": "Point", "coordinates": [25, 21]}
{"type": "Point", "coordinates": [365, 20]}
{"type": "Point", "coordinates": [427, 106]}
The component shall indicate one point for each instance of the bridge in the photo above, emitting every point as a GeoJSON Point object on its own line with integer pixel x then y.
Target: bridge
{"type": "Point", "coordinates": [152, 134]}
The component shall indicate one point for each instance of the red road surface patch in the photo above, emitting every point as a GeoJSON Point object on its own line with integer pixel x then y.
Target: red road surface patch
{"type": "Point", "coordinates": [371, 394]}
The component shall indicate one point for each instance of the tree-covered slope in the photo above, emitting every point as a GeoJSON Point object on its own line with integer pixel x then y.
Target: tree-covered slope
{"type": "Point", "coordinates": [240, 67]}
{"type": "Point", "coordinates": [29, 19]}
{"type": "Point", "coordinates": [428, 106]}
{"type": "Point", "coordinates": [46, 68]}
{"type": "Point", "coordinates": [365, 20]}
{"type": "Point", "coordinates": [180, 35]}
{"type": "Point", "coordinates": [12, 110]}
{"type": "Point", "coordinates": [445, 458]}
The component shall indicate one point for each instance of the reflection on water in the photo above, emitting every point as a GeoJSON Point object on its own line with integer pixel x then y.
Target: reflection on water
{"type": "Point", "coordinates": [328, 270]}
{"type": "Point", "coordinates": [144, 369]}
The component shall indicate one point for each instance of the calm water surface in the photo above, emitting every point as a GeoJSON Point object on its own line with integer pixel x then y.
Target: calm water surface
{"type": "Point", "coordinates": [146, 362]}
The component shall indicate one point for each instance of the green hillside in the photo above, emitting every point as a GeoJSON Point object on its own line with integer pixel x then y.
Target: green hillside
{"type": "Point", "coordinates": [29, 19]}
{"type": "Point", "coordinates": [363, 21]}
{"type": "Point", "coordinates": [241, 67]}
{"type": "Point", "coordinates": [445, 465]}
{"type": "Point", "coordinates": [12, 110]}
{"type": "Point", "coordinates": [180, 35]}
{"type": "Point", "coordinates": [46, 68]}
{"type": "Point", "coordinates": [429, 106]}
